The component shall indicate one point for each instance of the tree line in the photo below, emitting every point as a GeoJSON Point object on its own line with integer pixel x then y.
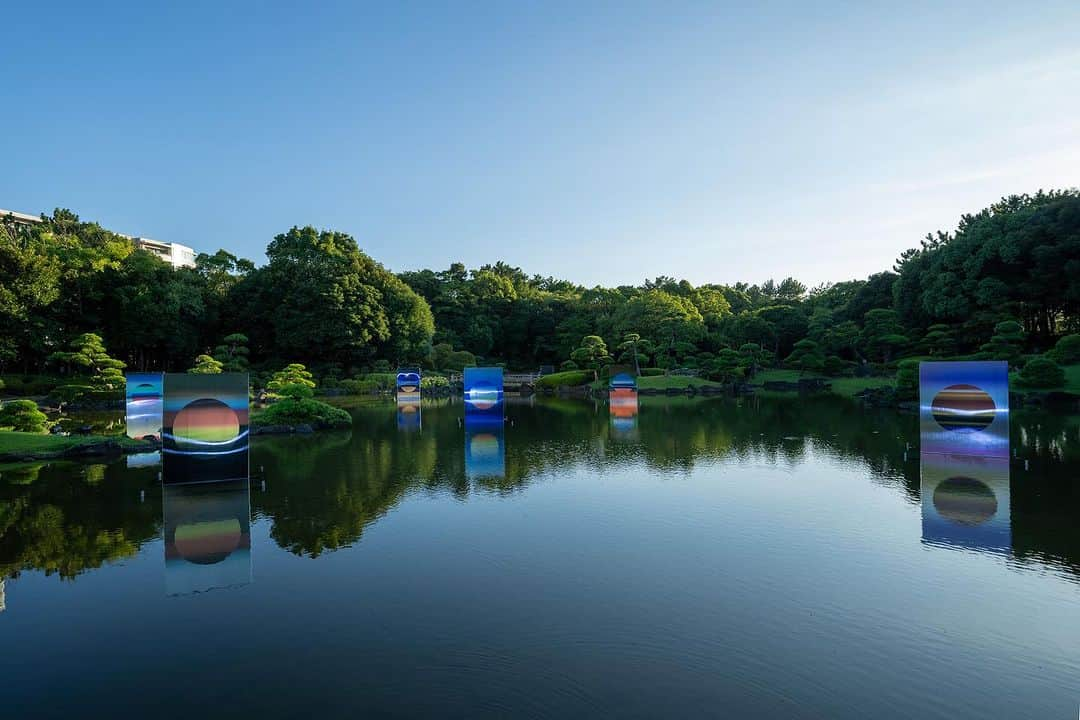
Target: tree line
{"type": "Point", "coordinates": [1006, 284]}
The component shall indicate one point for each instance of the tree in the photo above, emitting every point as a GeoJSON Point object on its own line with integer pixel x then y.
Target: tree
{"type": "Point", "coordinates": [233, 353]}
{"type": "Point", "coordinates": [22, 416]}
{"type": "Point", "coordinates": [631, 342]}
{"type": "Point", "coordinates": [939, 341]}
{"type": "Point", "coordinates": [1007, 342]}
{"type": "Point", "coordinates": [751, 357]}
{"type": "Point", "coordinates": [882, 335]}
{"type": "Point", "coordinates": [288, 380]}
{"type": "Point", "coordinates": [807, 356]}
{"type": "Point", "coordinates": [725, 367]}
{"type": "Point", "coordinates": [1042, 372]}
{"type": "Point", "coordinates": [592, 354]}
{"type": "Point", "coordinates": [206, 365]}
{"type": "Point", "coordinates": [907, 379]}
{"type": "Point", "coordinates": [1066, 351]}
{"type": "Point", "coordinates": [89, 355]}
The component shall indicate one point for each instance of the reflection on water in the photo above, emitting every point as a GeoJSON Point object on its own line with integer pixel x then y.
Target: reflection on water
{"type": "Point", "coordinates": [623, 408]}
{"type": "Point", "coordinates": [760, 555]}
{"type": "Point", "coordinates": [409, 411]}
{"type": "Point", "coordinates": [965, 502]}
{"type": "Point", "coordinates": [207, 536]}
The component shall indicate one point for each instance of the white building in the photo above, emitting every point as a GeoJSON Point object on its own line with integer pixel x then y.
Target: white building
{"type": "Point", "coordinates": [175, 254]}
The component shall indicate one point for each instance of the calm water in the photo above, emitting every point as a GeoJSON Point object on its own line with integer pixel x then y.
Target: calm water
{"type": "Point", "coordinates": [775, 558]}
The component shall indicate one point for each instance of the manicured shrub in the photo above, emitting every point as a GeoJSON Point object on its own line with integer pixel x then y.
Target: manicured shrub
{"type": "Point", "coordinates": [571, 378]}
{"type": "Point", "coordinates": [1066, 351]}
{"type": "Point", "coordinates": [23, 416]}
{"type": "Point", "coordinates": [303, 411]}
{"type": "Point", "coordinates": [1042, 372]}
{"type": "Point", "coordinates": [907, 379]}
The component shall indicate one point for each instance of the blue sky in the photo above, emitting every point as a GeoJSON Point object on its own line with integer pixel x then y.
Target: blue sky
{"type": "Point", "coordinates": [602, 143]}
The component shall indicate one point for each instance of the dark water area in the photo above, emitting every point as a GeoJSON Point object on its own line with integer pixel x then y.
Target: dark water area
{"type": "Point", "coordinates": [772, 557]}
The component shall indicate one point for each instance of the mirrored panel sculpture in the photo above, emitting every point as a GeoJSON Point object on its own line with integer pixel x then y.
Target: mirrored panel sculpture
{"type": "Point", "coordinates": [964, 408]}
{"type": "Point", "coordinates": [623, 409]}
{"type": "Point", "coordinates": [408, 381]}
{"type": "Point", "coordinates": [484, 393]}
{"type": "Point", "coordinates": [966, 502]}
{"type": "Point", "coordinates": [205, 434]}
{"type": "Point", "coordinates": [144, 405]}
{"type": "Point", "coordinates": [207, 536]}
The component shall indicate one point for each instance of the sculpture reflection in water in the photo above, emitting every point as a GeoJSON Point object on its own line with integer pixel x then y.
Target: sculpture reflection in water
{"type": "Point", "coordinates": [485, 446]}
{"type": "Point", "coordinates": [408, 400]}
{"type": "Point", "coordinates": [623, 409]}
{"type": "Point", "coordinates": [964, 457]}
{"type": "Point", "coordinates": [207, 536]}
{"type": "Point", "coordinates": [205, 433]}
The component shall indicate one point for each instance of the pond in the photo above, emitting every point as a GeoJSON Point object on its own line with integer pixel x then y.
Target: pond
{"type": "Point", "coordinates": [766, 557]}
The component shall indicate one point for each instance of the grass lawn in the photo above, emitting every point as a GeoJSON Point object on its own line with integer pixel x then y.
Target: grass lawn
{"type": "Point", "coordinates": [16, 442]}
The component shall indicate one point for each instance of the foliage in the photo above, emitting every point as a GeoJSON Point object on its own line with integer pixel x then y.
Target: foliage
{"type": "Point", "coordinates": [1066, 351]}
{"type": "Point", "coordinates": [882, 335]}
{"type": "Point", "coordinates": [206, 365]}
{"type": "Point", "coordinates": [571, 378]}
{"type": "Point", "coordinates": [907, 379]}
{"type": "Point", "coordinates": [283, 381]}
{"type": "Point", "coordinates": [22, 416]}
{"type": "Point", "coordinates": [105, 374]}
{"type": "Point", "coordinates": [233, 353]}
{"type": "Point", "coordinates": [592, 354]}
{"type": "Point", "coordinates": [1006, 343]}
{"type": "Point", "coordinates": [1042, 372]}
{"type": "Point", "coordinates": [807, 355]}
{"type": "Point", "coordinates": [294, 410]}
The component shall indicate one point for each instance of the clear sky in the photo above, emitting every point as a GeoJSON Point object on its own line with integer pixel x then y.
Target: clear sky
{"type": "Point", "coordinates": [602, 143]}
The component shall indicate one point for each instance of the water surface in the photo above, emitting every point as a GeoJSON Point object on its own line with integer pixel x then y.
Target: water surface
{"type": "Point", "coordinates": [778, 557]}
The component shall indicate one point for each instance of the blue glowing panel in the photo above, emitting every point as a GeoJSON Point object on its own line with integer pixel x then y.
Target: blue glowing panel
{"type": "Point", "coordinates": [205, 433]}
{"type": "Point", "coordinates": [485, 449]}
{"type": "Point", "coordinates": [207, 536]}
{"type": "Point", "coordinates": [622, 377]}
{"type": "Point", "coordinates": [966, 502]}
{"type": "Point", "coordinates": [408, 381]}
{"type": "Point", "coordinates": [623, 409]}
{"type": "Point", "coordinates": [144, 405]}
{"type": "Point", "coordinates": [964, 408]}
{"type": "Point", "coordinates": [484, 394]}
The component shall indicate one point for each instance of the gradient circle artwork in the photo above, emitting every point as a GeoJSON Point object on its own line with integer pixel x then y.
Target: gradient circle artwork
{"type": "Point", "coordinates": [965, 501]}
{"type": "Point", "coordinates": [203, 422]}
{"type": "Point", "coordinates": [963, 408]}
{"type": "Point", "coordinates": [208, 542]}
{"type": "Point", "coordinates": [484, 396]}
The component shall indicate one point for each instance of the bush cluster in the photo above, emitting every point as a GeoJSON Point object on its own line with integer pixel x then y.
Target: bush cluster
{"type": "Point", "coordinates": [302, 411]}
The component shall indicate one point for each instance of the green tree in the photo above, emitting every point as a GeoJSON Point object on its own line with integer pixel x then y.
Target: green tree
{"type": "Point", "coordinates": [23, 416]}
{"type": "Point", "coordinates": [1007, 342]}
{"type": "Point", "coordinates": [882, 335]}
{"type": "Point", "coordinates": [629, 346]}
{"type": "Point", "coordinates": [939, 341]}
{"type": "Point", "coordinates": [292, 375]}
{"type": "Point", "coordinates": [232, 353]}
{"type": "Point", "coordinates": [1066, 351]}
{"type": "Point", "coordinates": [807, 356]}
{"type": "Point", "coordinates": [907, 379]}
{"type": "Point", "coordinates": [1042, 372]}
{"type": "Point", "coordinates": [206, 365]}
{"type": "Point", "coordinates": [592, 354]}
{"type": "Point", "coordinates": [751, 357]}
{"type": "Point", "coordinates": [88, 354]}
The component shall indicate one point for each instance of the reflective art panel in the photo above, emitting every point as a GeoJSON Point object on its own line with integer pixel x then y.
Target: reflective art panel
{"type": "Point", "coordinates": [207, 536]}
{"type": "Point", "coordinates": [623, 409]}
{"type": "Point", "coordinates": [408, 381]}
{"type": "Point", "coordinates": [622, 377]}
{"type": "Point", "coordinates": [484, 393]}
{"type": "Point", "coordinates": [205, 435]}
{"type": "Point", "coordinates": [144, 405]}
{"type": "Point", "coordinates": [966, 502]}
{"type": "Point", "coordinates": [964, 408]}
{"type": "Point", "coordinates": [408, 412]}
